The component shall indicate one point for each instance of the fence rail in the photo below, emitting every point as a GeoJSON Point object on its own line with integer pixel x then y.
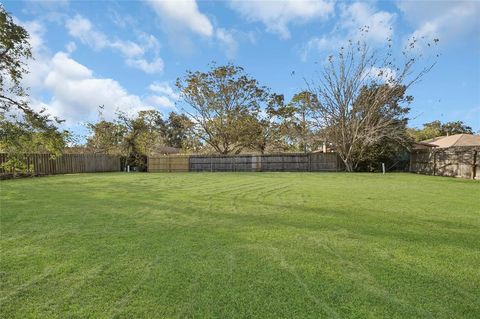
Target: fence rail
{"type": "Point", "coordinates": [44, 164]}
{"type": "Point", "coordinates": [294, 162]}
{"type": "Point", "coordinates": [460, 161]}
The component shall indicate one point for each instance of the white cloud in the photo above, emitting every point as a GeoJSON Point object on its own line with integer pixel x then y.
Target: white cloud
{"type": "Point", "coordinates": [319, 44]}
{"type": "Point", "coordinates": [183, 14]}
{"type": "Point", "coordinates": [164, 88]}
{"type": "Point", "coordinates": [446, 20]}
{"type": "Point", "coordinates": [35, 30]}
{"type": "Point", "coordinates": [77, 93]}
{"type": "Point", "coordinates": [277, 15]}
{"type": "Point", "coordinates": [82, 29]}
{"type": "Point", "coordinates": [161, 101]}
{"type": "Point", "coordinates": [357, 21]}
{"type": "Point", "coordinates": [155, 66]}
{"type": "Point", "coordinates": [71, 46]}
{"type": "Point", "coordinates": [122, 20]}
{"type": "Point", "coordinates": [128, 48]}
{"type": "Point", "coordinates": [379, 24]}
{"type": "Point", "coordinates": [227, 41]}
{"type": "Point", "coordinates": [38, 67]}
{"type": "Point", "coordinates": [149, 42]}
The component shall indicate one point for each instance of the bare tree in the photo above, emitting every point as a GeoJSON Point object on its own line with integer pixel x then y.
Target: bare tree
{"type": "Point", "coordinates": [361, 98]}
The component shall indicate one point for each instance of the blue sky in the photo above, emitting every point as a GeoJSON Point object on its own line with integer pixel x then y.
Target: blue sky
{"type": "Point", "coordinates": [127, 54]}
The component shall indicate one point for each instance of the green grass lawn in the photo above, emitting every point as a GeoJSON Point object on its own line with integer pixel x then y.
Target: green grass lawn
{"type": "Point", "coordinates": [236, 245]}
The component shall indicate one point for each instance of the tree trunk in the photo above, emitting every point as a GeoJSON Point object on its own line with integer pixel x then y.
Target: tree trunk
{"type": "Point", "coordinates": [348, 165]}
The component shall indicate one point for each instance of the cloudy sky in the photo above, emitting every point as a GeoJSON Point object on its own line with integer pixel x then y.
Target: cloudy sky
{"type": "Point", "coordinates": [127, 54]}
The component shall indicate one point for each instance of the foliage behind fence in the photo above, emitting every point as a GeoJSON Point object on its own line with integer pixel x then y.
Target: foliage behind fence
{"type": "Point", "coordinates": [44, 164]}
{"type": "Point", "coordinates": [289, 162]}
{"type": "Point", "coordinates": [453, 161]}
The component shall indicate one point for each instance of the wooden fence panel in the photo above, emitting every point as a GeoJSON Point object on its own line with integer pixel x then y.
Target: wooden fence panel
{"type": "Point", "coordinates": [44, 164]}
{"type": "Point", "coordinates": [294, 162]}
{"type": "Point", "coordinates": [172, 163]}
{"type": "Point", "coordinates": [454, 161]}
{"type": "Point", "coordinates": [325, 162]}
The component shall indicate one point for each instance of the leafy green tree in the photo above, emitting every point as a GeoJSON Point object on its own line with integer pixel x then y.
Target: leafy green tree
{"type": "Point", "coordinates": [436, 128]}
{"type": "Point", "coordinates": [19, 138]}
{"type": "Point", "coordinates": [429, 130]}
{"type": "Point", "coordinates": [455, 127]}
{"type": "Point", "coordinates": [301, 123]}
{"type": "Point", "coordinates": [106, 137]}
{"type": "Point", "coordinates": [225, 103]}
{"type": "Point", "coordinates": [391, 117]}
{"type": "Point", "coordinates": [15, 49]}
{"type": "Point", "coordinates": [142, 134]}
{"type": "Point", "coordinates": [151, 127]}
{"type": "Point", "coordinates": [22, 129]}
{"type": "Point", "coordinates": [395, 156]}
{"type": "Point", "coordinates": [131, 137]}
{"type": "Point", "coordinates": [179, 132]}
{"type": "Point", "coordinates": [270, 126]}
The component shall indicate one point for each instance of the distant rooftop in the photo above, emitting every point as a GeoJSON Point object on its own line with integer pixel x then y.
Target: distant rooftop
{"type": "Point", "coordinates": [166, 150]}
{"type": "Point", "coordinates": [452, 140]}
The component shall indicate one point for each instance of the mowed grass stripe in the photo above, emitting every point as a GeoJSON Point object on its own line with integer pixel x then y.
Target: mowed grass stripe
{"type": "Point", "coordinates": [240, 245]}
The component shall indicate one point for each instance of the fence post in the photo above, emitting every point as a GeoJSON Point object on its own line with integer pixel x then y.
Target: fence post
{"type": "Point", "coordinates": [474, 164]}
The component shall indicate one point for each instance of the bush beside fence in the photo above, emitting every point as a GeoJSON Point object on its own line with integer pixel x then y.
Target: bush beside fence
{"type": "Point", "coordinates": [290, 162]}
{"type": "Point", "coordinates": [460, 161]}
{"type": "Point", "coordinates": [43, 164]}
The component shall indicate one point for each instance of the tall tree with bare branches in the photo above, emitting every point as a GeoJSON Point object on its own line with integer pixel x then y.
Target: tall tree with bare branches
{"type": "Point", "coordinates": [361, 98]}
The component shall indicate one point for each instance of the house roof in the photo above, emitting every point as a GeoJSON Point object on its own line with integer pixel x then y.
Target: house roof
{"type": "Point", "coordinates": [453, 140]}
{"type": "Point", "coordinates": [166, 150]}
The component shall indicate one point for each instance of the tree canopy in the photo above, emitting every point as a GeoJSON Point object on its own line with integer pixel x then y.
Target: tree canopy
{"type": "Point", "coordinates": [225, 103]}
{"type": "Point", "coordinates": [437, 128]}
{"type": "Point", "coordinates": [362, 101]}
{"type": "Point", "coordinates": [22, 129]}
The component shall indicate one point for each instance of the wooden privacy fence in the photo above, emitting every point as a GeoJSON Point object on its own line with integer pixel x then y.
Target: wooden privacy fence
{"type": "Point", "coordinates": [168, 163]}
{"type": "Point", "coordinates": [461, 161]}
{"type": "Point", "coordinates": [43, 164]}
{"type": "Point", "coordinates": [290, 162]}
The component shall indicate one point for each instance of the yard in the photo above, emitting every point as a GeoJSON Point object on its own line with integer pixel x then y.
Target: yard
{"type": "Point", "coordinates": [227, 245]}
